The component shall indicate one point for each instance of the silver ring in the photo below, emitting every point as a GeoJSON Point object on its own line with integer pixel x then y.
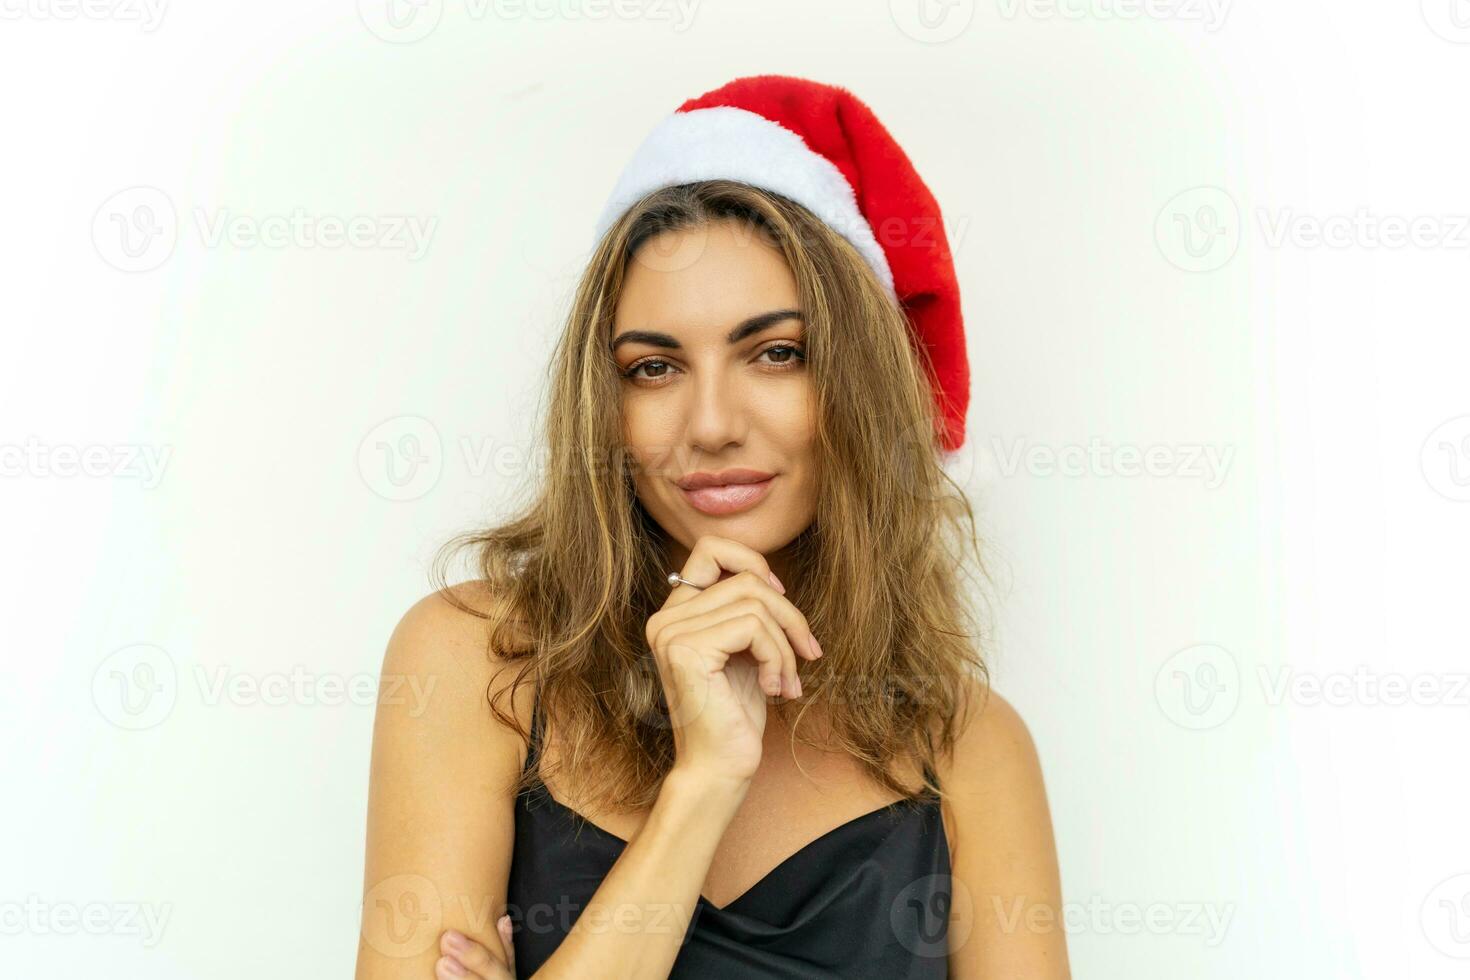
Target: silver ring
{"type": "Point", "coordinates": [675, 580]}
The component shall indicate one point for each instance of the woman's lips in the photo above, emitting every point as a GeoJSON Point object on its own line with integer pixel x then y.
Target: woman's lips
{"type": "Point", "coordinates": [728, 499]}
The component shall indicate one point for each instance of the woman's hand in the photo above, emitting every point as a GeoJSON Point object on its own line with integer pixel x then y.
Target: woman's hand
{"type": "Point", "coordinates": [712, 645]}
{"type": "Point", "coordinates": [463, 957]}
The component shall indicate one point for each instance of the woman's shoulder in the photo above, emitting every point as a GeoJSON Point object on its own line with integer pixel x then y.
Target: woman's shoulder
{"type": "Point", "coordinates": [441, 664]}
{"type": "Point", "coordinates": [992, 741]}
{"type": "Point", "coordinates": [995, 790]}
{"type": "Point", "coordinates": [449, 624]}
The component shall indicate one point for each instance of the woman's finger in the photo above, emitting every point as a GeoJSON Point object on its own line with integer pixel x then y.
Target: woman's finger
{"type": "Point", "coordinates": [507, 940]}
{"type": "Point", "coordinates": [743, 631]}
{"type": "Point", "coordinates": [750, 585]}
{"type": "Point", "coordinates": [711, 556]}
{"type": "Point", "coordinates": [464, 953]}
{"type": "Point", "coordinates": [719, 612]}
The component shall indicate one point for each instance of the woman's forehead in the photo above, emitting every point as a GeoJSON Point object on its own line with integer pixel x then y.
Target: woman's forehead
{"type": "Point", "coordinates": [710, 280]}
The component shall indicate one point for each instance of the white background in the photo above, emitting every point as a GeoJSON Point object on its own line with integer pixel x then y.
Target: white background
{"type": "Point", "coordinates": [1114, 178]}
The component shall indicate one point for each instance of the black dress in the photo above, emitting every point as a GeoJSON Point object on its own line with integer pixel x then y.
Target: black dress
{"type": "Point", "coordinates": [869, 898]}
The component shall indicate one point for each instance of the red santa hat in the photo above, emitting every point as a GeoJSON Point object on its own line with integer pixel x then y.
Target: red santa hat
{"type": "Point", "coordinates": [822, 147]}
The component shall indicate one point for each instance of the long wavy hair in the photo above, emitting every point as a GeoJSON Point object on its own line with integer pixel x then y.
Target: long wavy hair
{"type": "Point", "coordinates": [880, 573]}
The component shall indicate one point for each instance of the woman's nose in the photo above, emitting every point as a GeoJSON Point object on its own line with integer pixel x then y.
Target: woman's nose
{"type": "Point", "coordinates": [716, 412]}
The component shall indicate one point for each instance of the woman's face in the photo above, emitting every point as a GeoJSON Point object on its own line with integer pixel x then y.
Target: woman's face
{"type": "Point", "coordinates": [709, 342]}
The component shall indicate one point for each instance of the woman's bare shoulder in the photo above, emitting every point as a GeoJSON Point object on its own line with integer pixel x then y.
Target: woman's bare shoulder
{"type": "Point", "coordinates": [439, 657]}
{"type": "Point", "coordinates": [449, 628]}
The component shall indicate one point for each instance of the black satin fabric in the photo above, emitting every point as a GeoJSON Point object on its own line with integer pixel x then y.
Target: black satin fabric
{"type": "Point", "coordinates": [869, 899]}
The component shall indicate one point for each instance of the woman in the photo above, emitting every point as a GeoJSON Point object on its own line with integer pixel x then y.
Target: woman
{"type": "Point", "coordinates": [782, 760]}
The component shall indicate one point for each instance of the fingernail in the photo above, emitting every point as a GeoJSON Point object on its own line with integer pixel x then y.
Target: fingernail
{"type": "Point", "coordinates": [773, 686]}
{"type": "Point", "coordinates": [451, 966]}
{"type": "Point", "coordinates": [776, 583]}
{"type": "Point", "coordinates": [798, 688]}
{"type": "Point", "coordinates": [816, 647]}
{"type": "Point", "coordinates": [456, 941]}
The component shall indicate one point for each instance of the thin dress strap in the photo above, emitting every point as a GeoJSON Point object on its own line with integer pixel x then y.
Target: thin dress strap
{"type": "Point", "coordinates": [533, 748]}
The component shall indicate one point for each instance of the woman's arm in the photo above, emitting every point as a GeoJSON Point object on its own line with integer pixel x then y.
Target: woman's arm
{"type": "Point", "coordinates": [441, 824]}
{"type": "Point", "coordinates": [1007, 888]}
{"type": "Point", "coordinates": [441, 813]}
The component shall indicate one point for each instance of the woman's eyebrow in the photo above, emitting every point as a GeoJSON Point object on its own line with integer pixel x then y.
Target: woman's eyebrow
{"type": "Point", "coordinates": [747, 327]}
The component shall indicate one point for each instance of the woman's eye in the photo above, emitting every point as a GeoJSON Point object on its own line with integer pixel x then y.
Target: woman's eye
{"type": "Point", "coordinates": [788, 354]}
{"type": "Point", "coordinates": [632, 372]}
